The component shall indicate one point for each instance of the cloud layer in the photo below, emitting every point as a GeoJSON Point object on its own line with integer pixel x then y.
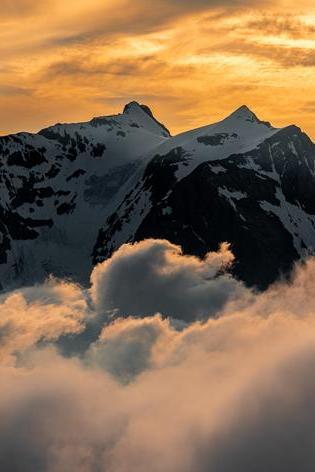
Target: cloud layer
{"type": "Point", "coordinates": [193, 62]}
{"type": "Point", "coordinates": [232, 393]}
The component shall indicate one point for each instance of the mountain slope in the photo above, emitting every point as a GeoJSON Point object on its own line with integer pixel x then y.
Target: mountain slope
{"type": "Point", "coordinates": [240, 181]}
{"type": "Point", "coordinates": [56, 187]}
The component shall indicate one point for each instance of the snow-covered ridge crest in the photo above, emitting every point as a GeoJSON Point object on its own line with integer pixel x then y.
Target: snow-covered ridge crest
{"type": "Point", "coordinates": [239, 132]}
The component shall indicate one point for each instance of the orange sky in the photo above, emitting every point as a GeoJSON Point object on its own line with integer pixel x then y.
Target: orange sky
{"type": "Point", "coordinates": [192, 62]}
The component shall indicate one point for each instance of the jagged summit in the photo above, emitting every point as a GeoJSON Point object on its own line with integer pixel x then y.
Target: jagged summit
{"type": "Point", "coordinates": [138, 110]}
{"type": "Point", "coordinates": [132, 107]}
{"type": "Point", "coordinates": [244, 113]}
{"type": "Point", "coordinates": [134, 116]}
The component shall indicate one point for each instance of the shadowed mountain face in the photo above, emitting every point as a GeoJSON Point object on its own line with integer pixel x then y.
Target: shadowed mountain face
{"type": "Point", "coordinates": [72, 194]}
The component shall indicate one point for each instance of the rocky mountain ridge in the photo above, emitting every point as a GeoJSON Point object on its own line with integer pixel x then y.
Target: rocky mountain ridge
{"type": "Point", "coordinates": [72, 194]}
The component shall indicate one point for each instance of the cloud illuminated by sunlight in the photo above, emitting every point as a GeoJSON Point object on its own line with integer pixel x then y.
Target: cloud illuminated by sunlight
{"type": "Point", "coordinates": [192, 62]}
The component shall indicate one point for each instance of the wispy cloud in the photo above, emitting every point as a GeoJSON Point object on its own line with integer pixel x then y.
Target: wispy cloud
{"type": "Point", "coordinates": [209, 56]}
{"type": "Point", "coordinates": [12, 90]}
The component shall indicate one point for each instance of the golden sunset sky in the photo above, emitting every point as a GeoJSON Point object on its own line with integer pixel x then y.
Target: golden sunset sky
{"type": "Point", "coordinates": [192, 62]}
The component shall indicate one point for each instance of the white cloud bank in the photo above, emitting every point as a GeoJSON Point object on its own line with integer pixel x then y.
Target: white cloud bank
{"type": "Point", "coordinates": [234, 393]}
{"type": "Point", "coordinates": [154, 276]}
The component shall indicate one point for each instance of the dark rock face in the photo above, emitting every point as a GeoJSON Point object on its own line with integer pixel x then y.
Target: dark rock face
{"type": "Point", "coordinates": [102, 188]}
{"type": "Point", "coordinates": [226, 200]}
{"type": "Point", "coordinates": [27, 159]}
{"type": "Point", "coordinates": [201, 218]}
{"type": "Point", "coordinates": [216, 139]}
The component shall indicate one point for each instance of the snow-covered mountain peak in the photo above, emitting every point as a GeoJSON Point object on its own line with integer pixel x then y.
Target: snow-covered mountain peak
{"type": "Point", "coordinates": [143, 115]}
{"type": "Point", "coordinates": [245, 119]}
{"type": "Point", "coordinates": [239, 132]}
{"type": "Point", "coordinates": [244, 113]}
{"type": "Point", "coordinates": [132, 107]}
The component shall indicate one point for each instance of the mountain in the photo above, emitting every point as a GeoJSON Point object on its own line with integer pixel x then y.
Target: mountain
{"type": "Point", "coordinates": [239, 180]}
{"type": "Point", "coordinates": [73, 193]}
{"type": "Point", "coordinates": [56, 187]}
